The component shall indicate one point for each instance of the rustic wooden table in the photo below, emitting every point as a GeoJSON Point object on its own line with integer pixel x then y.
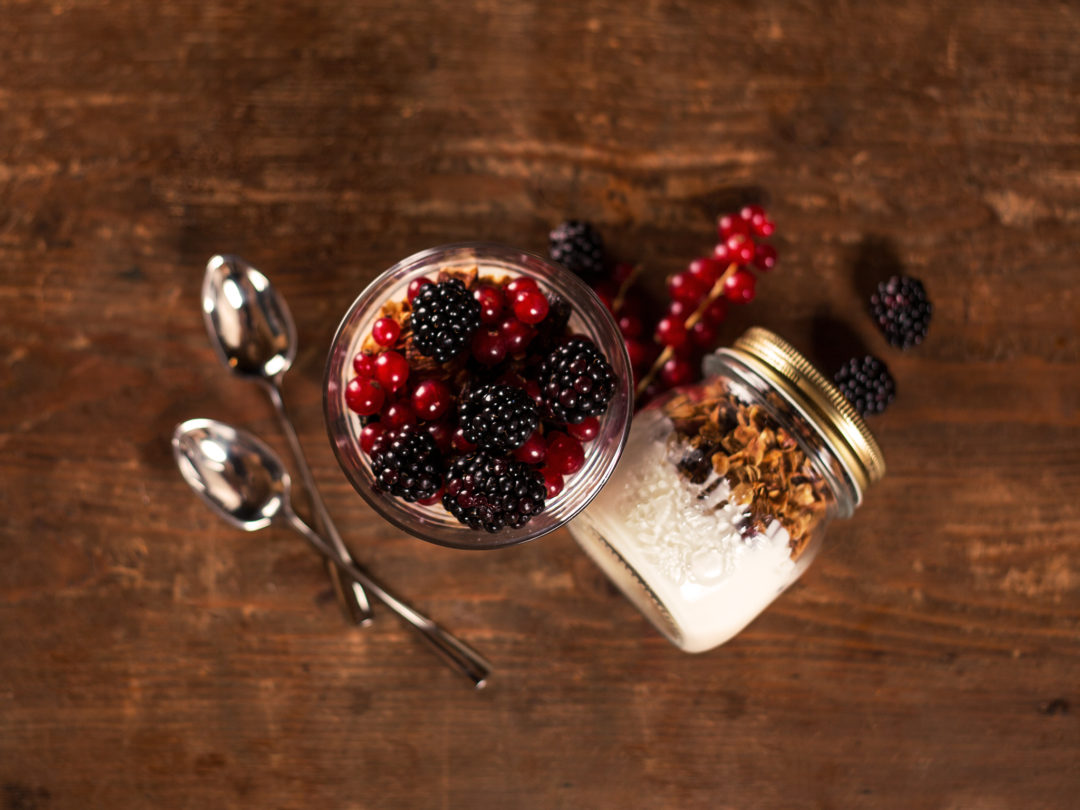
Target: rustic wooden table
{"type": "Point", "coordinates": [154, 657]}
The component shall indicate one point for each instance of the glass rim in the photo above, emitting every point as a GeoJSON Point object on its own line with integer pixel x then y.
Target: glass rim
{"type": "Point", "coordinates": [585, 305]}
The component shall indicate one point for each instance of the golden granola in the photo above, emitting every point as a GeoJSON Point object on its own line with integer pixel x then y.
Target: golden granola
{"type": "Point", "coordinates": [762, 462]}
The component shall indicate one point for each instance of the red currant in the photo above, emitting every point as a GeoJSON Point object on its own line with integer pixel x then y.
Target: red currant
{"type": "Point", "coordinates": [765, 229]}
{"type": "Point", "coordinates": [606, 290]}
{"type": "Point", "coordinates": [765, 257]}
{"type": "Point", "coordinates": [622, 272]}
{"type": "Point", "coordinates": [677, 371]}
{"type": "Point", "coordinates": [488, 346]}
{"type": "Point", "coordinates": [364, 365]}
{"type": "Point", "coordinates": [460, 443]}
{"type": "Point", "coordinates": [443, 434]}
{"type": "Point", "coordinates": [531, 306]}
{"type": "Point", "coordinates": [703, 334]}
{"type": "Point", "coordinates": [491, 303]}
{"type": "Point", "coordinates": [715, 312]}
{"type": "Point", "coordinates": [553, 482]}
{"type": "Point", "coordinates": [391, 370]}
{"type": "Point", "coordinates": [520, 284]}
{"type": "Point", "coordinates": [585, 430]}
{"type": "Point", "coordinates": [364, 397]}
{"type": "Point", "coordinates": [679, 310]}
{"type": "Point", "coordinates": [386, 331]}
{"type": "Point", "coordinates": [671, 332]}
{"type": "Point", "coordinates": [730, 224]}
{"type": "Point", "coordinates": [434, 499]}
{"type": "Point", "coordinates": [516, 334]}
{"type": "Point", "coordinates": [707, 270]}
{"type": "Point", "coordinates": [741, 247]}
{"type": "Point", "coordinates": [431, 398]}
{"type": "Point", "coordinates": [722, 254]}
{"type": "Point", "coordinates": [739, 287]}
{"type": "Point", "coordinates": [533, 450]}
{"type": "Point", "coordinates": [369, 433]}
{"type": "Point", "coordinates": [532, 388]}
{"type": "Point", "coordinates": [630, 325]}
{"type": "Point", "coordinates": [564, 454]}
{"type": "Point", "coordinates": [416, 285]}
{"type": "Point", "coordinates": [398, 415]}
{"type": "Point", "coordinates": [759, 221]}
{"type": "Point", "coordinates": [687, 288]}
{"type": "Point", "coordinates": [639, 352]}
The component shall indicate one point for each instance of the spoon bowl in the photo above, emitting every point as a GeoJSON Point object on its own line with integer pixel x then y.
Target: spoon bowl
{"type": "Point", "coordinates": [242, 479]}
{"type": "Point", "coordinates": [249, 323]}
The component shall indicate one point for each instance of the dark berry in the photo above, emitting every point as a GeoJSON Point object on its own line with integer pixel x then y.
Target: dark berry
{"type": "Point", "coordinates": [398, 415]}
{"type": "Point", "coordinates": [391, 370]}
{"type": "Point", "coordinates": [491, 303]}
{"type": "Point", "coordinates": [444, 316]}
{"type": "Point", "coordinates": [460, 443]}
{"type": "Point", "coordinates": [409, 466]}
{"type": "Point", "coordinates": [489, 492]}
{"type": "Point", "coordinates": [442, 432]}
{"type": "Point", "coordinates": [363, 396]}
{"type": "Point", "coordinates": [553, 482]}
{"type": "Point", "coordinates": [516, 334]}
{"type": "Point", "coordinates": [576, 381]}
{"type": "Point", "coordinates": [867, 384]}
{"type": "Point", "coordinates": [902, 311]}
{"type": "Point", "coordinates": [578, 247]}
{"type": "Point", "coordinates": [498, 417]}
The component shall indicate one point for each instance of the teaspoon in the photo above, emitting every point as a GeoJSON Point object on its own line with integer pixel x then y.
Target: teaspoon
{"type": "Point", "coordinates": [254, 336]}
{"type": "Point", "coordinates": [244, 481]}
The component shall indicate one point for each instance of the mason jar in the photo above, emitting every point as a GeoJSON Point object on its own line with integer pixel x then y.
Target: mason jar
{"type": "Point", "coordinates": [725, 490]}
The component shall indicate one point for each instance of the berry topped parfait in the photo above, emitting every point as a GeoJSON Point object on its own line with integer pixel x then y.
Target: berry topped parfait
{"type": "Point", "coordinates": [478, 396]}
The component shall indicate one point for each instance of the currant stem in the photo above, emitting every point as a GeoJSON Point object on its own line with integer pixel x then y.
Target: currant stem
{"type": "Point", "coordinates": [668, 352]}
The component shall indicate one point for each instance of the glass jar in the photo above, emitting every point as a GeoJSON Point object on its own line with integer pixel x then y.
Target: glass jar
{"type": "Point", "coordinates": [725, 489]}
{"type": "Point", "coordinates": [588, 317]}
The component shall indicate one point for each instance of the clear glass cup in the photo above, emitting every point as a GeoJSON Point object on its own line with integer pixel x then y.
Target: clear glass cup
{"type": "Point", "coordinates": [725, 491]}
{"type": "Point", "coordinates": [588, 317]}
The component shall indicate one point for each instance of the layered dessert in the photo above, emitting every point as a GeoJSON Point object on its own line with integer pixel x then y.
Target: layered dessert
{"type": "Point", "coordinates": [709, 514]}
{"type": "Point", "coordinates": [477, 398]}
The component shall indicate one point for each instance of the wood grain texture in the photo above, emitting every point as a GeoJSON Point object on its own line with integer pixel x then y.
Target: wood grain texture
{"type": "Point", "coordinates": [152, 657]}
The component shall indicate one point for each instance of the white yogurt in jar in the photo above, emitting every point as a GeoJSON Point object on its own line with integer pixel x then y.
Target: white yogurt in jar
{"type": "Point", "coordinates": [675, 547]}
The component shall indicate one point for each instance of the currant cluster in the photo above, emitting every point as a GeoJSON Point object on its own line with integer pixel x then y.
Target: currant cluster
{"type": "Point", "coordinates": [666, 353]}
{"type": "Point", "coordinates": [475, 395]}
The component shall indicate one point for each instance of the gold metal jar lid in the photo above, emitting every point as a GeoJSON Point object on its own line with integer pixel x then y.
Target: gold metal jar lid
{"type": "Point", "coordinates": [793, 375]}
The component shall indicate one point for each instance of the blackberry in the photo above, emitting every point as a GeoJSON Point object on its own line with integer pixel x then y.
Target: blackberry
{"type": "Point", "coordinates": [576, 382]}
{"type": "Point", "coordinates": [408, 465]}
{"type": "Point", "coordinates": [902, 311]}
{"type": "Point", "coordinates": [444, 316]}
{"type": "Point", "coordinates": [577, 246]}
{"type": "Point", "coordinates": [498, 417]}
{"type": "Point", "coordinates": [867, 384]}
{"type": "Point", "coordinates": [487, 491]}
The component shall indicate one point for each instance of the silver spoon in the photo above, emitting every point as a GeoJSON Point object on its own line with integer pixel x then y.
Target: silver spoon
{"type": "Point", "coordinates": [244, 481]}
{"type": "Point", "coordinates": [254, 336]}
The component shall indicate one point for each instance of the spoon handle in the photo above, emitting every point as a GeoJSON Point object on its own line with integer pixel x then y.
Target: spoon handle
{"type": "Point", "coordinates": [350, 592]}
{"type": "Point", "coordinates": [457, 653]}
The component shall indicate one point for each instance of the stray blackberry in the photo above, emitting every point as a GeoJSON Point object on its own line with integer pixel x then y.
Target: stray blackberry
{"type": "Point", "coordinates": [577, 246]}
{"type": "Point", "coordinates": [489, 492]}
{"type": "Point", "coordinates": [498, 417]}
{"type": "Point", "coordinates": [576, 382]}
{"type": "Point", "coordinates": [867, 384]}
{"type": "Point", "coordinates": [902, 311]}
{"type": "Point", "coordinates": [444, 316]}
{"type": "Point", "coordinates": [408, 466]}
